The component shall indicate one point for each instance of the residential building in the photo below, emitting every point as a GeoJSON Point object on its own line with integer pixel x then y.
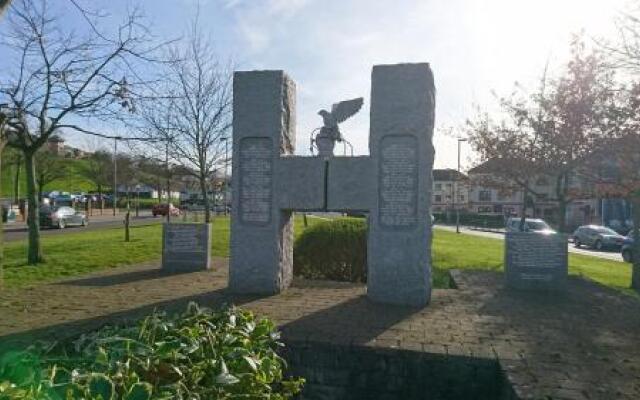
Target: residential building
{"type": "Point", "coordinates": [450, 191]}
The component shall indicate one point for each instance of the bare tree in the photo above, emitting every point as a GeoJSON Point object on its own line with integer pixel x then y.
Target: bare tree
{"type": "Point", "coordinates": [194, 117]}
{"type": "Point", "coordinates": [4, 6]}
{"type": "Point", "coordinates": [98, 169]}
{"type": "Point", "coordinates": [61, 78]}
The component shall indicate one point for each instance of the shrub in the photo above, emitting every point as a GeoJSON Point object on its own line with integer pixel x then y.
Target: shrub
{"type": "Point", "coordinates": [335, 250]}
{"type": "Point", "coordinates": [197, 355]}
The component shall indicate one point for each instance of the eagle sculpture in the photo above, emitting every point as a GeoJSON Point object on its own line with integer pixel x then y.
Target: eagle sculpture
{"type": "Point", "coordinates": [340, 112]}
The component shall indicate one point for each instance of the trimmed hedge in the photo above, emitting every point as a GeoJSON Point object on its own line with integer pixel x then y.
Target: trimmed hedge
{"type": "Point", "coordinates": [334, 250]}
{"type": "Point", "coordinates": [471, 219]}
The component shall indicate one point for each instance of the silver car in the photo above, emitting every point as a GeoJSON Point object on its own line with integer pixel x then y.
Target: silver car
{"type": "Point", "coordinates": [61, 217]}
{"type": "Point", "coordinates": [597, 237]}
{"type": "Point", "coordinates": [534, 225]}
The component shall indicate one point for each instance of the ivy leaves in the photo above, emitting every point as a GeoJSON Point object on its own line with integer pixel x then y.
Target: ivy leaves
{"type": "Point", "coordinates": [200, 354]}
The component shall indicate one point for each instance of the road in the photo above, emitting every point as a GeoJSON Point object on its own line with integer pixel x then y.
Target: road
{"type": "Point", "coordinates": [18, 231]}
{"type": "Point", "coordinates": [609, 255]}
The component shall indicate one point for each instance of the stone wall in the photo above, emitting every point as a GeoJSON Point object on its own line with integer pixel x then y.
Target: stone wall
{"type": "Point", "coordinates": [356, 372]}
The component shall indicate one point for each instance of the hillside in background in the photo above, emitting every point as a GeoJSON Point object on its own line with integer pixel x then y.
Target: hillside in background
{"type": "Point", "coordinates": [72, 182]}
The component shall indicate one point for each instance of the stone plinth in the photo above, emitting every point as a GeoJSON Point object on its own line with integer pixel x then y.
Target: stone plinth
{"type": "Point", "coordinates": [536, 261]}
{"type": "Point", "coordinates": [400, 141]}
{"type": "Point", "coordinates": [186, 247]}
{"type": "Point", "coordinates": [261, 232]}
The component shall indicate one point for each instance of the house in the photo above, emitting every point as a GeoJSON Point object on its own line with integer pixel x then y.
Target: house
{"type": "Point", "coordinates": [55, 144]}
{"type": "Point", "coordinates": [145, 192]}
{"type": "Point", "coordinates": [490, 194]}
{"type": "Point", "coordinates": [450, 191]}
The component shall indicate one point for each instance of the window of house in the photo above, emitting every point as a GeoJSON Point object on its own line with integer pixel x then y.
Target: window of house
{"type": "Point", "coordinates": [542, 181]}
{"type": "Point", "coordinates": [438, 186]}
{"type": "Point", "coordinates": [438, 198]}
{"type": "Point", "coordinates": [461, 198]}
{"type": "Point", "coordinates": [484, 195]}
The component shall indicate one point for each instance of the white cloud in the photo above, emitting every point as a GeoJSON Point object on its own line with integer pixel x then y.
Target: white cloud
{"type": "Point", "coordinates": [474, 47]}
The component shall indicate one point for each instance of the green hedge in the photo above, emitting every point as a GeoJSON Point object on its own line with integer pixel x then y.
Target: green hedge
{"type": "Point", "coordinates": [200, 354]}
{"type": "Point", "coordinates": [335, 250]}
{"type": "Point", "coordinates": [471, 219]}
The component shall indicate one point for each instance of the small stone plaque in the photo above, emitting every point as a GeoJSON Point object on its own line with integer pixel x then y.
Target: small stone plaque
{"type": "Point", "coordinates": [536, 261]}
{"type": "Point", "coordinates": [186, 247]}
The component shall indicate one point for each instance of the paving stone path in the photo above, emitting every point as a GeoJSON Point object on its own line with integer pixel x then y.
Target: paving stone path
{"type": "Point", "coordinates": [581, 345]}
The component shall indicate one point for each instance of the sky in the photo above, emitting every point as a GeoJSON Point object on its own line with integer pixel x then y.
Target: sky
{"type": "Point", "coordinates": [475, 48]}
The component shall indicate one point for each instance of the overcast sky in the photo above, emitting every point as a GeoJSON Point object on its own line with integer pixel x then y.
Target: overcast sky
{"type": "Point", "coordinates": [329, 46]}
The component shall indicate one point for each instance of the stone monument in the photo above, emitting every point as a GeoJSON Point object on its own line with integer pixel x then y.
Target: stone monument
{"type": "Point", "coordinates": [186, 247]}
{"type": "Point", "coordinates": [535, 261]}
{"type": "Point", "coordinates": [393, 184]}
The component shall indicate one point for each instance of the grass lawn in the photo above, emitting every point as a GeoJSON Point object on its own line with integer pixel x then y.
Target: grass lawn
{"type": "Point", "coordinates": [460, 251]}
{"type": "Point", "coordinates": [74, 254]}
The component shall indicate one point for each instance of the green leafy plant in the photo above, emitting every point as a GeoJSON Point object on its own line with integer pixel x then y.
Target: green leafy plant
{"type": "Point", "coordinates": [335, 250]}
{"type": "Point", "coordinates": [200, 354]}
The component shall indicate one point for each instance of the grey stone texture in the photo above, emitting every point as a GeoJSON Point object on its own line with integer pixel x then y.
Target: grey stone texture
{"type": "Point", "coordinates": [300, 183]}
{"type": "Point", "coordinates": [393, 184]}
{"type": "Point", "coordinates": [536, 262]}
{"type": "Point", "coordinates": [400, 142]}
{"type": "Point", "coordinates": [261, 232]}
{"type": "Point", "coordinates": [186, 247]}
{"type": "Point", "coordinates": [351, 184]}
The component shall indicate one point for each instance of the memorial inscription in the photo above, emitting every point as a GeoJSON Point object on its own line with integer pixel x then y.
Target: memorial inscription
{"type": "Point", "coordinates": [398, 177]}
{"type": "Point", "coordinates": [256, 171]}
{"type": "Point", "coordinates": [182, 238]}
{"type": "Point", "coordinates": [186, 247]}
{"type": "Point", "coordinates": [536, 261]}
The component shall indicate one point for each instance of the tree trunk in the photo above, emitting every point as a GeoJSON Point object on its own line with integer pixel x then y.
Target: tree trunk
{"type": "Point", "coordinates": [562, 188]}
{"type": "Point", "coordinates": [635, 269]}
{"type": "Point", "coordinates": [2, 143]}
{"type": "Point", "coordinates": [40, 188]}
{"type": "Point", "coordinates": [16, 182]}
{"type": "Point", "coordinates": [205, 199]}
{"type": "Point", "coordinates": [523, 216]}
{"type": "Point", "coordinates": [34, 255]}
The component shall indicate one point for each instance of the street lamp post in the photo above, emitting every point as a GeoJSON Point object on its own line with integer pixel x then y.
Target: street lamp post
{"type": "Point", "coordinates": [166, 165]}
{"type": "Point", "coordinates": [455, 183]}
{"type": "Point", "coordinates": [115, 173]}
{"type": "Point", "coordinates": [226, 176]}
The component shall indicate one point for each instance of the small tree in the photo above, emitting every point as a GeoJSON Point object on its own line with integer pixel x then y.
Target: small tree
{"type": "Point", "coordinates": [510, 149]}
{"type": "Point", "coordinates": [60, 78]}
{"type": "Point", "coordinates": [98, 168]}
{"type": "Point", "coordinates": [49, 167]}
{"type": "Point", "coordinates": [555, 130]}
{"type": "Point", "coordinates": [614, 171]}
{"type": "Point", "coordinates": [579, 114]}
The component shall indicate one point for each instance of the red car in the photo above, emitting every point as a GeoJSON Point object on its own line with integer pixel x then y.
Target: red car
{"type": "Point", "coordinates": [162, 209]}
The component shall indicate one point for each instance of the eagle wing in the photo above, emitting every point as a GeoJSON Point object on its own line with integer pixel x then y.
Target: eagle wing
{"type": "Point", "coordinates": [343, 110]}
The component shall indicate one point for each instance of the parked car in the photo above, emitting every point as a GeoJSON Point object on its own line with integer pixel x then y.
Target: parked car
{"type": "Point", "coordinates": [627, 248]}
{"type": "Point", "coordinates": [534, 225]}
{"type": "Point", "coordinates": [597, 237]}
{"type": "Point", "coordinates": [61, 217]}
{"type": "Point", "coordinates": [162, 209]}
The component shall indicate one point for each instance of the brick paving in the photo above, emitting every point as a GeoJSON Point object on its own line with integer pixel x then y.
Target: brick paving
{"type": "Point", "coordinates": [584, 344]}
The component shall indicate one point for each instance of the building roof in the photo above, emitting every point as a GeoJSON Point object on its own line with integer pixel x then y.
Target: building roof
{"type": "Point", "coordinates": [448, 174]}
{"type": "Point", "coordinates": [55, 139]}
{"type": "Point", "coordinates": [486, 167]}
